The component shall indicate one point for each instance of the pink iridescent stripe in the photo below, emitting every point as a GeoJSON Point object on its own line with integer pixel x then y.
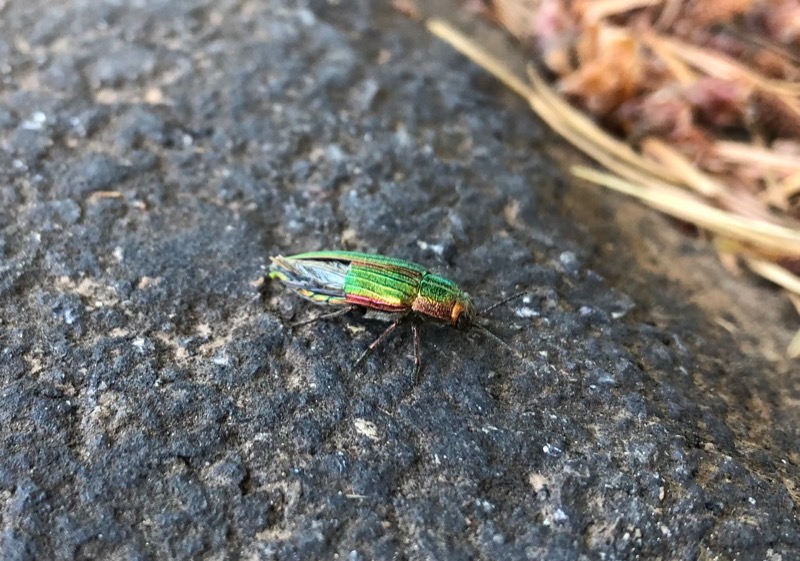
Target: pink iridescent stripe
{"type": "Point", "coordinates": [375, 304]}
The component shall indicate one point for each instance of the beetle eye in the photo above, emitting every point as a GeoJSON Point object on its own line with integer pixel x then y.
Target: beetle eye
{"type": "Point", "coordinates": [463, 322]}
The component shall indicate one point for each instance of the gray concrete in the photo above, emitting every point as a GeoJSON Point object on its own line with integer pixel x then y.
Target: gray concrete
{"type": "Point", "coordinates": [154, 403]}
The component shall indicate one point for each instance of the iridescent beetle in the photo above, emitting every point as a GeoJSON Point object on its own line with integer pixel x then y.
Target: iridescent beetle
{"type": "Point", "coordinates": [384, 287]}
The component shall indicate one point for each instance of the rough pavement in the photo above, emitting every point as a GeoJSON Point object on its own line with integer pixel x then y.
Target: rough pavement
{"type": "Point", "coordinates": [154, 403]}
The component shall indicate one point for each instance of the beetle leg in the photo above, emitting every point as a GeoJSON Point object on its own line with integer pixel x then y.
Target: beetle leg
{"type": "Point", "coordinates": [378, 341]}
{"type": "Point", "coordinates": [337, 313]}
{"type": "Point", "coordinates": [417, 359]}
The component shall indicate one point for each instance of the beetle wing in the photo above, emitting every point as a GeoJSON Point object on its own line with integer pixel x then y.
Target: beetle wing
{"type": "Point", "coordinates": [319, 281]}
{"type": "Point", "coordinates": [388, 287]}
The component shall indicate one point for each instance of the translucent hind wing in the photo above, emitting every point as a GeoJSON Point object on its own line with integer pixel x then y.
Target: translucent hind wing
{"type": "Point", "coordinates": [321, 282]}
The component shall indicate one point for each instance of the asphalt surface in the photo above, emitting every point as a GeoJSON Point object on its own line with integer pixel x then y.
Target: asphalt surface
{"type": "Point", "coordinates": [156, 404]}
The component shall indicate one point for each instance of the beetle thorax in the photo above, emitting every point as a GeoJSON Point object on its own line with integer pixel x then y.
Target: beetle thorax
{"type": "Point", "coordinates": [442, 300]}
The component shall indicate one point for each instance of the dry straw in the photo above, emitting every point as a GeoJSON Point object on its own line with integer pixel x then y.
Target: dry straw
{"type": "Point", "coordinates": [742, 193]}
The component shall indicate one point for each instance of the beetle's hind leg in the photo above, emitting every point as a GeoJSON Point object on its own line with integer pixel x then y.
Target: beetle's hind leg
{"type": "Point", "coordinates": [388, 331]}
{"type": "Point", "coordinates": [417, 353]}
{"type": "Point", "coordinates": [378, 341]}
{"type": "Point", "coordinates": [329, 315]}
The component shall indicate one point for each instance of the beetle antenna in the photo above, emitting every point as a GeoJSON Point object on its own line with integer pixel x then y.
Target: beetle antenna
{"type": "Point", "coordinates": [501, 302]}
{"type": "Point", "coordinates": [496, 338]}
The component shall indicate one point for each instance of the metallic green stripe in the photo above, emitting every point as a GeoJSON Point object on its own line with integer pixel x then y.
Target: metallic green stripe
{"type": "Point", "coordinates": [395, 286]}
{"type": "Point", "coordinates": [439, 289]}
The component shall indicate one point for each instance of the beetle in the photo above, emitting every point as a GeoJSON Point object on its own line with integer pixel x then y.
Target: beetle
{"type": "Point", "coordinates": [383, 287]}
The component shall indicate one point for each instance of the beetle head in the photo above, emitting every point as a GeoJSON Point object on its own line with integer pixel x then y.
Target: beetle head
{"type": "Point", "coordinates": [463, 314]}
